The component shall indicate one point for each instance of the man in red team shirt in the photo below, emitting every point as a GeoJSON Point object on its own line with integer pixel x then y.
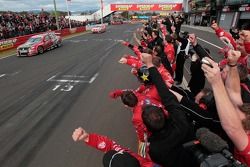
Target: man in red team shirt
{"type": "Point", "coordinates": [115, 155]}
{"type": "Point", "coordinates": [233, 114]}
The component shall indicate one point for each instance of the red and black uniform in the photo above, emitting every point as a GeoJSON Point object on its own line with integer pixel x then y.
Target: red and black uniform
{"type": "Point", "coordinates": [226, 38]}
{"type": "Point", "coordinates": [141, 130]}
{"type": "Point", "coordinates": [247, 47]}
{"type": "Point", "coordinates": [134, 62]}
{"type": "Point", "coordinates": [244, 156]}
{"type": "Point", "coordinates": [231, 43]}
{"type": "Point", "coordinates": [135, 49]}
{"type": "Point", "coordinates": [170, 52]}
{"type": "Point", "coordinates": [163, 29]}
{"type": "Point", "coordinates": [166, 76]}
{"type": "Point", "coordinates": [104, 144]}
{"type": "Point", "coordinates": [149, 91]}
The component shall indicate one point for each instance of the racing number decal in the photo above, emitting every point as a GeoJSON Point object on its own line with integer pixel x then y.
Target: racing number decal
{"type": "Point", "coordinates": [66, 88]}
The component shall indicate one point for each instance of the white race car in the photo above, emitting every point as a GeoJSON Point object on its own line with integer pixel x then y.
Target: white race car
{"type": "Point", "coordinates": [98, 29]}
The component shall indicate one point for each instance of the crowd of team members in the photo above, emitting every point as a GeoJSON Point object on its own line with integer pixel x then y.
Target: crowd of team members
{"type": "Point", "coordinates": [165, 116]}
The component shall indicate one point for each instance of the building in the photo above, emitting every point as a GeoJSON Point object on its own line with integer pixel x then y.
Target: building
{"type": "Point", "coordinates": [201, 12]}
{"type": "Point", "coordinates": [234, 13]}
{"type": "Point", "coordinates": [228, 13]}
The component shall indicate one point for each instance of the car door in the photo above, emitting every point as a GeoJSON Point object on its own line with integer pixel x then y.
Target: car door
{"type": "Point", "coordinates": [47, 42]}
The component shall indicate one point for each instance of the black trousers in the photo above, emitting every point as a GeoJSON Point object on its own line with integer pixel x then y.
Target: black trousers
{"type": "Point", "coordinates": [180, 60]}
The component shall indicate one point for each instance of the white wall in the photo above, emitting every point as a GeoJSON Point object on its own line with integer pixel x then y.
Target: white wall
{"type": "Point", "coordinates": [94, 16]}
{"type": "Point", "coordinates": [81, 18]}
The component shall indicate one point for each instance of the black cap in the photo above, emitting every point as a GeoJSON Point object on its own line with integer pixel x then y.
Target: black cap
{"type": "Point", "coordinates": [119, 159]}
{"type": "Point", "coordinates": [143, 75]}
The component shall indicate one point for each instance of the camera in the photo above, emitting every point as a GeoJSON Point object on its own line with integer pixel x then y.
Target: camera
{"type": "Point", "coordinates": [211, 151]}
{"type": "Point", "coordinates": [204, 61]}
{"type": "Point", "coordinates": [205, 158]}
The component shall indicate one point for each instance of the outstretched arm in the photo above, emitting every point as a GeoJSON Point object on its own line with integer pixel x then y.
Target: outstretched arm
{"type": "Point", "coordinates": [228, 115]}
{"type": "Point", "coordinates": [233, 80]}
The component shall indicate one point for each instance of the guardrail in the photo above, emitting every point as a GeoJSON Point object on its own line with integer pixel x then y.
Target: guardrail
{"type": "Point", "coordinates": [16, 41]}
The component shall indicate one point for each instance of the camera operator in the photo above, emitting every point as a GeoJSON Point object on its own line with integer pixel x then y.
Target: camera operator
{"type": "Point", "coordinates": [168, 133]}
{"type": "Point", "coordinates": [234, 119]}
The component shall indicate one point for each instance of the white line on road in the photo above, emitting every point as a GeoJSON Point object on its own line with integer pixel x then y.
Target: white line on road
{"type": "Point", "coordinates": [209, 43]}
{"type": "Point", "coordinates": [73, 76]}
{"type": "Point", "coordinates": [50, 79]}
{"type": "Point", "coordinates": [2, 75]}
{"type": "Point", "coordinates": [71, 81]}
{"type": "Point", "coordinates": [110, 46]}
{"type": "Point", "coordinates": [93, 78]}
{"type": "Point", "coordinates": [7, 56]}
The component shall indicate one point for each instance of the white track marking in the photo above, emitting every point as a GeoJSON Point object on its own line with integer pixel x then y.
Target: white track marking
{"type": "Point", "coordinates": [209, 43]}
{"type": "Point", "coordinates": [51, 78]}
{"type": "Point", "coordinates": [93, 78]}
{"type": "Point", "coordinates": [70, 81]}
{"type": "Point", "coordinates": [2, 75]}
{"type": "Point", "coordinates": [74, 76]}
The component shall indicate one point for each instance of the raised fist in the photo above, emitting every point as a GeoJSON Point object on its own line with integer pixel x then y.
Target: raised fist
{"type": "Point", "coordinates": [123, 60]}
{"type": "Point", "coordinates": [116, 93]}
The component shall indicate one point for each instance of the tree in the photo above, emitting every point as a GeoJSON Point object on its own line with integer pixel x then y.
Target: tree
{"type": "Point", "coordinates": [59, 13]}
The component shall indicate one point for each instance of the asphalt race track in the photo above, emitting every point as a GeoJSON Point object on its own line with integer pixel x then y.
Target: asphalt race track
{"type": "Point", "coordinates": [45, 97]}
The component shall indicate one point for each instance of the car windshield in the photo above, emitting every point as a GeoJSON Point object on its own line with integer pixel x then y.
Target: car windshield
{"type": "Point", "coordinates": [34, 40]}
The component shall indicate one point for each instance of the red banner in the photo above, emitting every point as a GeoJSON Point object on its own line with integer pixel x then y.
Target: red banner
{"type": "Point", "coordinates": [15, 42]}
{"type": "Point", "coordinates": [147, 7]}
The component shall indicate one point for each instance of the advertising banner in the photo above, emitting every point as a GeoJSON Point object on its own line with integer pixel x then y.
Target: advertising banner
{"type": "Point", "coordinates": [147, 7]}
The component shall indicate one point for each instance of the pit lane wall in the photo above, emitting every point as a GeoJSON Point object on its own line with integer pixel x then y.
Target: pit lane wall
{"type": "Point", "coordinates": [16, 41]}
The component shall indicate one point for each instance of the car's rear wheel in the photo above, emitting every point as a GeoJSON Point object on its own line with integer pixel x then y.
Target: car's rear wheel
{"type": "Point", "coordinates": [40, 50]}
{"type": "Point", "coordinates": [59, 44]}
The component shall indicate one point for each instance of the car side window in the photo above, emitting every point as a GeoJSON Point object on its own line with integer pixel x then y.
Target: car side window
{"type": "Point", "coordinates": [47, 38]}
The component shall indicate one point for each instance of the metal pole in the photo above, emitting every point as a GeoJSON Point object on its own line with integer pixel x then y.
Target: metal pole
{"type": "Point", "coordinates": [101, 11]}
{"type": "Point", "coordinates": [57, 24]}
{"type": "Point", "coordinates": [68, 13]}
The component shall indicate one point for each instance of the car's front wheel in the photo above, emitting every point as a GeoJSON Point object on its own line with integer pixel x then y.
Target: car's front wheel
{"type": "Point", "coordinates": [40, 50]}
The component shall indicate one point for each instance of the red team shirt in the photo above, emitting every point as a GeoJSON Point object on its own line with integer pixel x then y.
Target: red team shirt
{"type": "Point", "coordinates": [141, 130]}
{"type": "Point", "coordinates": [244, 156]}
{"type": "Point", "coordinates": [104, 144]}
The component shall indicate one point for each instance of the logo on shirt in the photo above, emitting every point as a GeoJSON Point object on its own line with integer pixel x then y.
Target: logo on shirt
{"type": "Point", "coordinates": [147, 101]}
{"type": "Point", "coordinates": [101, 145]}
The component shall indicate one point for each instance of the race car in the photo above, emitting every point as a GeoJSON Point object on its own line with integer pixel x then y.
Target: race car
{"type": "Point", "coordinates": [37, 44]}
{"type": "Point", "coordinates": [116, 22]}
{"type": "Point", "coordinates": [98, 29]}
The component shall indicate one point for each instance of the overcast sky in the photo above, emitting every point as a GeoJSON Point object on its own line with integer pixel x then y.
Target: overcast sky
{"type": "Point", "coordinates": [74, 5]}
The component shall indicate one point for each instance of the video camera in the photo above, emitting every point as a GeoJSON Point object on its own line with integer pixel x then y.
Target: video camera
{"type": "Point", "coordinates": [211, 151]}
